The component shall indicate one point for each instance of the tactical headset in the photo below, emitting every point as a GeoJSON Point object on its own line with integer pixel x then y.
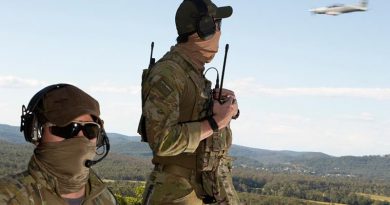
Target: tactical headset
{"type": "Point", "coordinates": [32, 129]}
{"type": "Point", "coordinates": [205, 26]}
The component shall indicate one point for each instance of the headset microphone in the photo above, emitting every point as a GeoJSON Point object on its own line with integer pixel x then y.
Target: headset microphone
{"type": "Point", "coordinates": [106, 143]}
{"type": "Point", "coordinates": [89, 163]}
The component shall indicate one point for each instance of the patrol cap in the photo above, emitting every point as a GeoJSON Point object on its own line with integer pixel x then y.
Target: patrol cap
{"type": "Point", "coordinates": [188, 14]}
{"type": "Point", "coordinates": [62, 105]}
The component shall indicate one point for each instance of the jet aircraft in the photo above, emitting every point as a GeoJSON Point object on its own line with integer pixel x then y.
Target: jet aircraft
{"type": "Point", "coordinates": [337, 9]}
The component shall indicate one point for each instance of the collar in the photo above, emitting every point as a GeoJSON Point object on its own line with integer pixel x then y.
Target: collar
{"type": "Point", "coordinates": [183, 54]}
{"type": "Point", "coordinates": [94, 186]}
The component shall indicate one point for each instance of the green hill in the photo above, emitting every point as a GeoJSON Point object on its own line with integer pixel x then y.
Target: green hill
{"type": "Point", "coordinates": [11, 134]}
{"type": "Point", "coordinates": [308, 163]}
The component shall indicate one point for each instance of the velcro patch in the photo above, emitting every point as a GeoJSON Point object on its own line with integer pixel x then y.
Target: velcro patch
{"type": "Point", "coordinates": [163, 87]}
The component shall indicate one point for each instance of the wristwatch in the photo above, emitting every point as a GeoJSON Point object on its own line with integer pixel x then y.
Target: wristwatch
{"type": "Point", "coordinates": [213, 124]}
{"type": "Point", "coordinates": [237, 115]}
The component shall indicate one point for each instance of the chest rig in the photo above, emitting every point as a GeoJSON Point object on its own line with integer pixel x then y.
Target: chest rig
{"type": "Point", "coordinates": [213, 148]}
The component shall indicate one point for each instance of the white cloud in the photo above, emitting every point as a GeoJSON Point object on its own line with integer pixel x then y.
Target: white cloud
{"type": "Point", "coordinates": [18, 82]}
{"type": "Point", "coordinates": [108, 88]}
{"type": "Point", "coordinates": [364, 116]}
{"type": "Point", "coordinates": [248, 86]}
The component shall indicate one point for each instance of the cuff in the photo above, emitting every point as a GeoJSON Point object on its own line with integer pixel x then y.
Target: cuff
{"type": "Point", "coordinates": [194, 131]}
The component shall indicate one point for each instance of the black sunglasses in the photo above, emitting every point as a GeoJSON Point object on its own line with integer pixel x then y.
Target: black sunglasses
{"type": "Point", "coordinates": [90, 130]}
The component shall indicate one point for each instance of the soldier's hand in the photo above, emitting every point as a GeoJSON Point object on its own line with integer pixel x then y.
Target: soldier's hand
{"type": "Point", "coordinates": [225, 93]}
{"type": "Point", "coordinates": [223, 113]}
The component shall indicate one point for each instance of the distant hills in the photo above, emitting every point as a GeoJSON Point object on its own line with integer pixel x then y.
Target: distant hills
{"type": "Point", "coordinates": [274, 157]}
{"type": "Point", "coordinates": [311, 163]}
{"type": "Point", "coordinates": [11, 134]}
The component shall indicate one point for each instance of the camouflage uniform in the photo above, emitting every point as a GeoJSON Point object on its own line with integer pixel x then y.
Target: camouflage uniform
{"type": "Point", "coordinates": [176, 98]}
{"type": "Point", "coordinates": [35, 187]}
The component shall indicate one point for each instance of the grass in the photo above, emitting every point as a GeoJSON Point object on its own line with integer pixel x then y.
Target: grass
{"type": "Point", "coordinates": [320, 202]}
{"type": "Point", "coordinates": [252, 198]}
{"type": "Point", "coordinates": [376, 197]}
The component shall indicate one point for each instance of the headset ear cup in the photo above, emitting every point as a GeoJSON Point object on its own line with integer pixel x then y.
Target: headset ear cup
{"type": "Point", "coordinates": [101, 139]}
{"type": "Point", "coordinates": [26, 123]}
{"type": "Point", "coordinates": [31, 129]}
{"type": "Point", "coordinates": [27, 127]}
{"type": "Point", "coordinates": [35, 128]}
{"type": "Point", "coordinates": [206, 27]}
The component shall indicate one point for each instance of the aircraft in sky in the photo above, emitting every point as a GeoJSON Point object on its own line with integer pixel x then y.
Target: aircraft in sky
{"type": "Point", "coordinates": [337, 9]}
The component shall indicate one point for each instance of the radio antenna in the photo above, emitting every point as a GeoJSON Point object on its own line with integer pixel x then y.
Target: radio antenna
{"type": "Point", "coordinates": [223, 72]}
{"type": "Point", "coordinates": [152, 60]}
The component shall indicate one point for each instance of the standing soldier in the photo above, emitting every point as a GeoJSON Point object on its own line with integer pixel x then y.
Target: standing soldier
{"type": "Point", "coordinates": [185, 126]}
{"type": "Point", "coordinates": [63, 122]}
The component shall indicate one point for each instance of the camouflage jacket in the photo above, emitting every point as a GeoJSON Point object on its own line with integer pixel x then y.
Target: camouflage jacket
{"type": "Point", "coordinates": [34, 187]}
{"type": "Point", "coordinates": [177, 98]}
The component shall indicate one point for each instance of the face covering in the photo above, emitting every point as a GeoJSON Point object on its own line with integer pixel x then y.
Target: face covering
{"type": "Point", "coordinates": [201, 51]}
{"type": "Point", "coordinates": [65, 160]}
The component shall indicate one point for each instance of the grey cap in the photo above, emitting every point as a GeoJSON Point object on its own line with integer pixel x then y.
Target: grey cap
{"type": "Point", "coordinates": [188, 14]}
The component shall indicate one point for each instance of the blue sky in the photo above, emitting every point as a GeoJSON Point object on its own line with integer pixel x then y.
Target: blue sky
{"type": "Point", "coordinates": [304, 82]}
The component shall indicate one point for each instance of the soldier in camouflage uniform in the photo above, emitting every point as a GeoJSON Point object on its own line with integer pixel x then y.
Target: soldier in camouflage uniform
{"type": "Point", "coordinates": [63, 122]}
{"type": "Point", "coordinates": [186, 128]}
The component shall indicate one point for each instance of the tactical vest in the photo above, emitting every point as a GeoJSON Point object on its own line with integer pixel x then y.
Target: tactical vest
{"type": "Point", "coordinates": [195, 105]}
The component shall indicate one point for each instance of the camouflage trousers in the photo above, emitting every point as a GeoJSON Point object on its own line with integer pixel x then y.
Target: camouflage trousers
{"type": "Point", "coordinates": [176, 187]}
{"type": "Point", "coordinates": [165, 187]}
